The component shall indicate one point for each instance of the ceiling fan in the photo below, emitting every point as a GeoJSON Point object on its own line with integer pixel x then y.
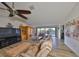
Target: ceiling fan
{"type": "Point", "coordinates": [14, 12]}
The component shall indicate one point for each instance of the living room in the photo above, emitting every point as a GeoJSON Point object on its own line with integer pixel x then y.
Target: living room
{"type": "Point", "coordinates": [39, 29]}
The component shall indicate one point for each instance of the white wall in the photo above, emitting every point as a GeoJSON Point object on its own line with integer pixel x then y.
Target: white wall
{"type": "Point", "coordinates": [70, 42]}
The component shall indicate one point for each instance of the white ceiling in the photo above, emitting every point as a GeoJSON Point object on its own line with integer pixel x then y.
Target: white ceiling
{"type": "Point", "coordinates": [46, 13]}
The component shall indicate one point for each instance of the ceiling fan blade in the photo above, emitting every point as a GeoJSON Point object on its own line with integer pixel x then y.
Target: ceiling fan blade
{"type": "Point", "coordinates": [3, 8]}
{"type": "Point", "coordinates": [22, 16]}
{"type": "Point", "coordinates": [6, 5]}
{"type": "Point", "coordinates": [9, 9]}
{"type": "Point", "coordinates": [23, 11]}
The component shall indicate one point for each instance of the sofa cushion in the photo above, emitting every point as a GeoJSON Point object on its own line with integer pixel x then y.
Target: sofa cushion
{"type": "Point", "coordinates": [44, 52]}
{"type": "Point", "coordinates": [18, 49]}
{"type": "Point", "coordinates": [46, 43]}
{"type": "Point", "coordinates": [32, 50]}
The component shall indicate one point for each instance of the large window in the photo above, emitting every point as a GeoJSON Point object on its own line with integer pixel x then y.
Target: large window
{"type": "Point", "coordinates": [46, 31]}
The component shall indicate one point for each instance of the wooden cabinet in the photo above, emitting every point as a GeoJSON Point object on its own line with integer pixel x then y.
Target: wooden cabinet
{"type": "Point", "coordinates": [26, 32]}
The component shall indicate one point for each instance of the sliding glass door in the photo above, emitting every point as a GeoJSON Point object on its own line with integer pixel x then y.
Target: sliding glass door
{"type": "Point", "coordinates": [51, 31]}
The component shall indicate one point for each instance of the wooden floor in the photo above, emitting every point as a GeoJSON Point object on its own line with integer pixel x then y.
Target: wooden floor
{"type": "Point", "coordinates": [62, 51]}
